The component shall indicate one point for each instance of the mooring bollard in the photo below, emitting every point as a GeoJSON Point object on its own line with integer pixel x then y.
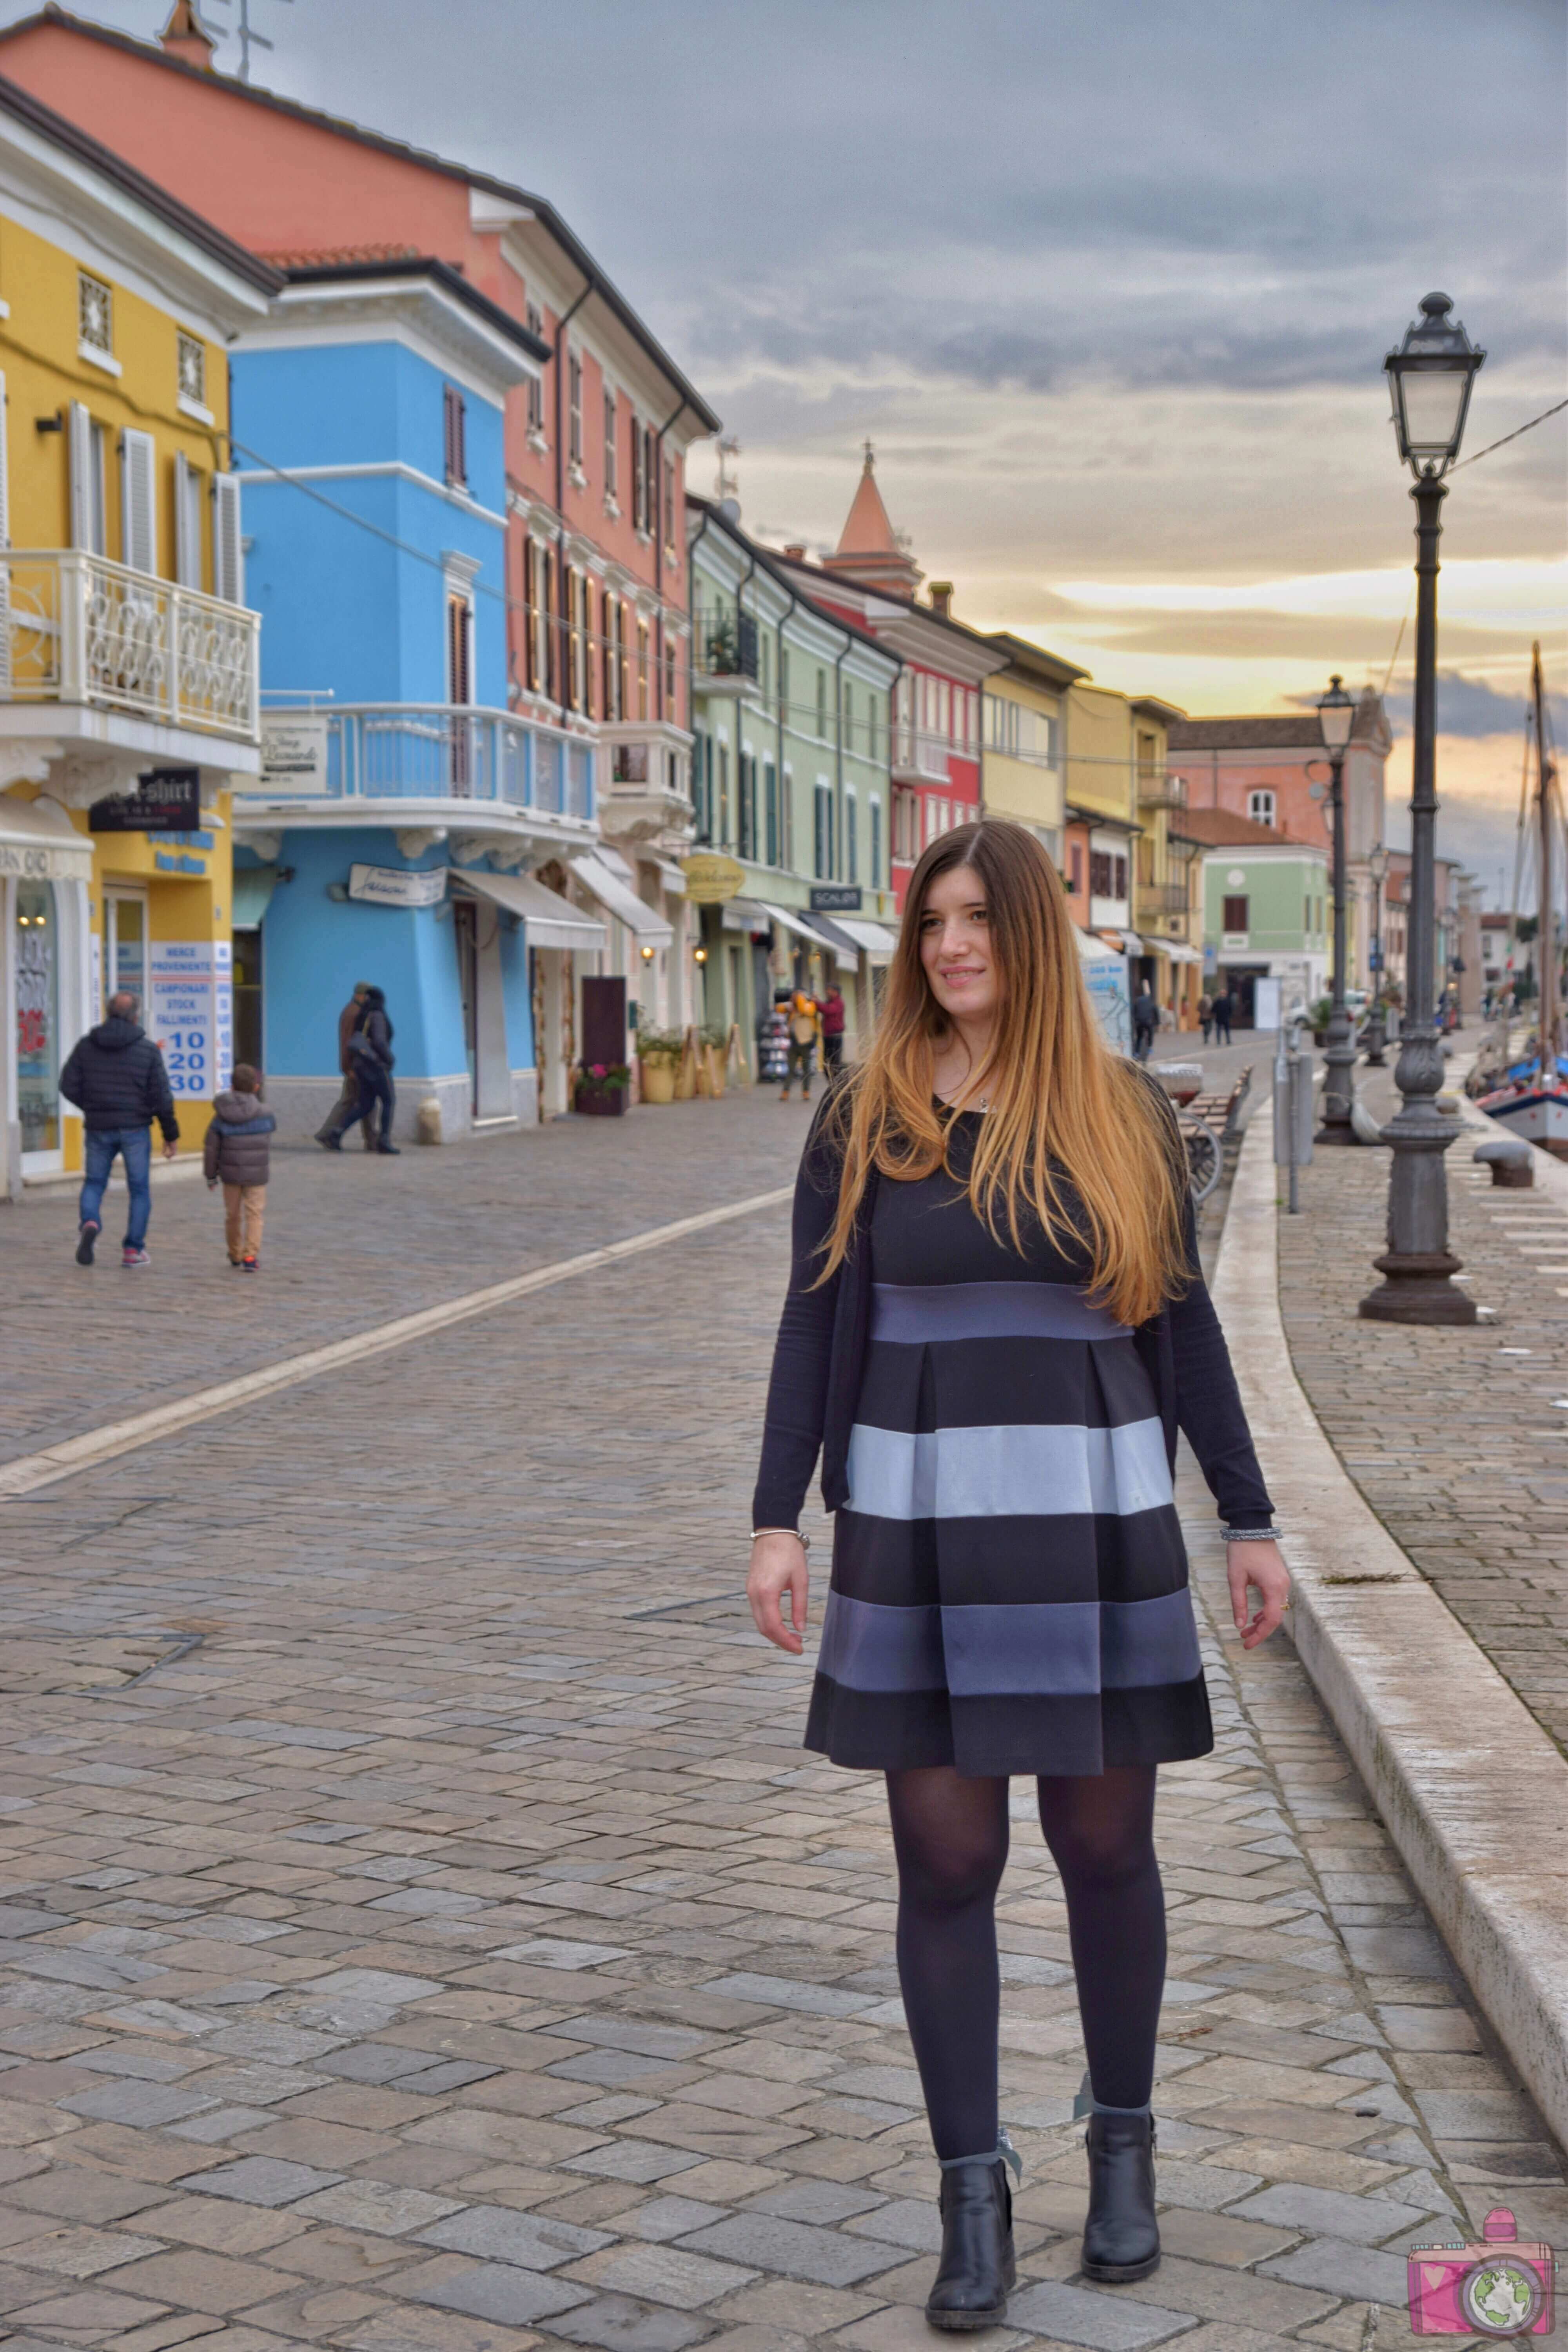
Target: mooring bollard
{"type": "Point", "coordinates": [1510, 1160]}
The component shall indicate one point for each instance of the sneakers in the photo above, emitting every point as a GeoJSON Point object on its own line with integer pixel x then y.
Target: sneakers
{"type": "Point", "coordinates": [85, 1240]}
{"type": "Point", "coordinates": [135, 1257]}
{"type": "Point", "coordinates": [249, 1265]}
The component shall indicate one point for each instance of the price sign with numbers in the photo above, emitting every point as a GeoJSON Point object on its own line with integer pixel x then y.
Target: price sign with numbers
{"type": "Point", "coordinates": [191, 1017]}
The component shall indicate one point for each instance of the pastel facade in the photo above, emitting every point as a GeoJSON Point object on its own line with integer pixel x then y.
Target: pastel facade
{"type": "Point", "coordinates": [1268, 913]}
{"type": "Point", "coordinates": [125, 645]}
{"type": "Point", "coordinates": [792, 718]}
{"type": "Point", "coordinates": [1022, 734]}
{"type": "Point", "coordinates": [400, 801]}
{"type": "Point", "coordinates": [594, 448]}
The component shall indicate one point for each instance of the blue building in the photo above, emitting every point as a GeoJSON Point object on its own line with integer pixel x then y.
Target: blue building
{"type": "Point", "coordinates": [408, 828]}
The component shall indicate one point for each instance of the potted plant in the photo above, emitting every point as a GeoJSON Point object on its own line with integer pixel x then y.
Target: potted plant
{"type": "Point", "coordinates": [658, 1053]}
{"type": "Point", "coordinates": [602, 1089]}
{"type": "Point", "coordinates": [1320, 1014]}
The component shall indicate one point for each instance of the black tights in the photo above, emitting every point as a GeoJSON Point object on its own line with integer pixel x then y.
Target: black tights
{"type": "Point", "coordinates": [949, 1834]}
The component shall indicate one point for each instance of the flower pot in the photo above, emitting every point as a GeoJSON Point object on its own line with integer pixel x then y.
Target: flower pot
{"type": "Point", "coordinates": [601, 1102]}
{"type": "Point", "coordinates": [714, 1059]}
{"type": "Point", "coordinates": [659, 1081]}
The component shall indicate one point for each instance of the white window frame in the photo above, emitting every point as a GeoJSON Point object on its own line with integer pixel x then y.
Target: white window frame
{"type": "Point", "coordinates": [1260, 801]}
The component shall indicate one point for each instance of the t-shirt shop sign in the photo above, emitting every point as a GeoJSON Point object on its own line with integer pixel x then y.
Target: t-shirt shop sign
{"type": "Point", "coordinates": [166, 800]}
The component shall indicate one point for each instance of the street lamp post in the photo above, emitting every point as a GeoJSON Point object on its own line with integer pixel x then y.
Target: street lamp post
{"type": "Point", "coordinates": [1431, 376]}
{"type": "Point", "coordinates": [1336, 716]}
{"type": "Point", "coordinates": [1376, 1031]}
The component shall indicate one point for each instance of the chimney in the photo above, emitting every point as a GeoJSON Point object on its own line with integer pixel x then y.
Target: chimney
{"type": "Point", "coordinates": [796, 551]}
{"type": "Point", "coordinates": [186, 37]}
{"type": "Point", "coordinates": [941, 593]}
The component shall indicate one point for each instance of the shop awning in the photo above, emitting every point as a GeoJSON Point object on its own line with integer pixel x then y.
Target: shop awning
{"type": "Point", "coordinates": [1177, 950]}
{"type": "Point", "coordinates": [873, 941]}
{"type": "Point", "coordinates": [617, 898]}
{"type": "Point", "coordinates": [1092, 948]}
{"type": "Point", "coordinates": [252, 888]}
{"type": "Point", "coordinates": [39, 842]}
{"type": "Point", "coordinates": [796, 922]}
{"type": "Point", "coordinates": [674, 879]}
{"type": "Point", "coordinates": [550, 921]}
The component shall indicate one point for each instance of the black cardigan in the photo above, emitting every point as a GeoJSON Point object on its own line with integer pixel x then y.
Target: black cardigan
{"type": "Point", "coordinates": [821, 1348]}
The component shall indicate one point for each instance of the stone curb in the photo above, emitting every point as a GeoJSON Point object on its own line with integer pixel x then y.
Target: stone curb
{"type": "Point", "coordinates": [1471, 1790]}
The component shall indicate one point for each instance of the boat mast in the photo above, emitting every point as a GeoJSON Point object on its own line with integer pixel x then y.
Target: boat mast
{"type": "Point", "coordinates": [1544, 781]}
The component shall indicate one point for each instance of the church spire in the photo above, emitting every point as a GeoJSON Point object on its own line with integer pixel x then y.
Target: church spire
{"type": "Point", "coordinates": [869, 551]}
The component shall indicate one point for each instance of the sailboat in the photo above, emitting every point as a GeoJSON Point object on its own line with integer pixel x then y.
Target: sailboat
{"type": "Point", "coordinates": [1532, 1100]}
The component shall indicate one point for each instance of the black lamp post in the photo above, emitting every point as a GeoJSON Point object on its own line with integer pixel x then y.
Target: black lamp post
{"type": "Point", "coordinates": [1431, 376]}
{"type": "Point", "coordinates": [1336, 716]}
{"type": "Point", "coordinates": [1376, 1031]}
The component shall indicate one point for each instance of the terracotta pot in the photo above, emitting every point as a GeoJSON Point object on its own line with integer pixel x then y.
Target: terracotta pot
{"type": "Point", "coordinates": [659, 1081]}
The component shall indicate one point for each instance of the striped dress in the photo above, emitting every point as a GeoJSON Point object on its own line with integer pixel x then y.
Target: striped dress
{"type": "Point", "coordinates": [1009, 1590]}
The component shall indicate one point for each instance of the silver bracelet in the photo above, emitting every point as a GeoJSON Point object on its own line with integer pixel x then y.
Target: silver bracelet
{"type": "Point", "coordinates": [803, 1539]}
{"type": "Point", "coordinates": [1252, 1535]}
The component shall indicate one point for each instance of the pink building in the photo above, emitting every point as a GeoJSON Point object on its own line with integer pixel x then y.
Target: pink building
{"type": "Point", "coordinates": [871, 578]}
{"type": "Point", "coordinates": [1272, 769]}
{"type": "Point", "coordinates": [596, 454]}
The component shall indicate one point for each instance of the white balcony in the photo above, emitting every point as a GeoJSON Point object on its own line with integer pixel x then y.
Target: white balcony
{"type": "Point", "coordinates": [90, 649]}
{"type": "Point", "coordinates": [414, 764]}
{"type": "Point", "coordinates": [918, 757]}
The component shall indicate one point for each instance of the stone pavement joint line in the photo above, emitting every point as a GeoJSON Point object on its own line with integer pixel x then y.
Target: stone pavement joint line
{"type": "Point", "coordinates": [1474, 1791]}
{"type": "Point", "coordinates": [28, 1472]}
{"type": "Point", "coordinates": [453, 1955]}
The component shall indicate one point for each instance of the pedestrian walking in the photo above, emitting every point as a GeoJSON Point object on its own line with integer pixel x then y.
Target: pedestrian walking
{"type": "Point", "coordinates": [1145, 1021]}
{"type": "Point", "coordinates": [346, 1109]}
{"type": "Point", "coordinates": [1221, 1008]}
{"type": "Point", "coordinates": [805, 1028]}
{"type": "Point", "coordinates": [370, 1043]}
{"type": "Point", "coordinates": [833, 1014]}
{"type": "Point", "coordinates": [115, 1077]}
{"type": "Point", "coordinates": [997, 1391]}
{"type": "Point", "coordinates": [1205, 1014]}
{"type": "Point", "coordinates": [236, 1153]}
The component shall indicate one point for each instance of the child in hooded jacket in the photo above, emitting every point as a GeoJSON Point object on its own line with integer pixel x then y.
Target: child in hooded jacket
{"type": "Point", "coordinates": [236, 1154]}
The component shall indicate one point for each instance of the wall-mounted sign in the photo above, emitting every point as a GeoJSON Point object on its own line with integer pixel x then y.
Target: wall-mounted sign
{"type": "Point", "coordinates": [190, 1008]}
{"type": "Point", "coordinates": [293, 754]}
{"type": "Point", "coordinates": [711, 878]}
{"type": "Point", "coordinates": [835, 898]}
{"type": "Point", "coordinates": [392, 886]}
{"type": "Point", "coordinates": [166, 800]}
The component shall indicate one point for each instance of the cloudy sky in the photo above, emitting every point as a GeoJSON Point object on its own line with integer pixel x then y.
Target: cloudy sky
{"type": "Point", "coordinates": [1108, 282]}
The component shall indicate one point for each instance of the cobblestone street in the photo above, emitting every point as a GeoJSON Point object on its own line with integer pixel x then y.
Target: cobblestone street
{"type": "Point", "coordinates": [449, 1946]}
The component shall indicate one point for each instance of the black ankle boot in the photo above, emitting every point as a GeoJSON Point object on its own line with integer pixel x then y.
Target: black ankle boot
{"type": "Point", "coordinates": [1121, 2236]}
{"type": "Point", "coordinates": [977, 2264]}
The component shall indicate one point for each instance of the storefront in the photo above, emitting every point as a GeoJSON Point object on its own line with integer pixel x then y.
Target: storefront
{"type": "Point", "coordinates": [45, 982]}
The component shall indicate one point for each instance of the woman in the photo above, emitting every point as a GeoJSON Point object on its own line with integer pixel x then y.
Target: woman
{"type": "Point", "coordinates": [370, 1043]}
{"type": "Point", "coordinates": [995, 1324]}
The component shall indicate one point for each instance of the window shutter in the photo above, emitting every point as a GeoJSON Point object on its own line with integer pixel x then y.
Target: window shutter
{"type": "Point", "coordinates": [228, 555]}
{"type": "Point", "coordinates": [456, 423]}
{"type": "Point", "coordinates": [79, 460]}
{"type": "Point", "coordinates": [139, 500]}
{"type": "Point", "coordinates": [187, 523]}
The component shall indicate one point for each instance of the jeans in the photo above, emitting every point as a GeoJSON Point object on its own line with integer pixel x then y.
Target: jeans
{"type": "Point", "coordinates": [345, 1112]}
{"type": "Point", "coordinates": [375, 1086]}
{"type": "Point", "coordinates": [1221, 1029]}
{"type": "Point", "coordinates": [134, 1146]}
{"type": "Point", "coordinates": [832, 1052]}
{"type": "Point", "coordinates": [1142, 1042]}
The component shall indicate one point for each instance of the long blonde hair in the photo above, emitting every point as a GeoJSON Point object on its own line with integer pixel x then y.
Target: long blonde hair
{"type": "Point", "coordinates": [1063, 1106]}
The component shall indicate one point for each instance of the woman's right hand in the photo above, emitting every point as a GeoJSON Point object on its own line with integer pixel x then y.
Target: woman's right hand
{"type": "Point", "coordinates": [778, 1566]}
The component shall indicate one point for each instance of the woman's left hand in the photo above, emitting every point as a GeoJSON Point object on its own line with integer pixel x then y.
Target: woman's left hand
{"type": "Point", "coordinates": [1261, 1565]}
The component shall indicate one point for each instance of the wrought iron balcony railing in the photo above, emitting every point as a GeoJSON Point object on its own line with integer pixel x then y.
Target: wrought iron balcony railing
{"type": "Point", "coordinates": [1162, 899]}
{"type": "Point", "coordinates": [436, 750]}
{"type": "Point", "coordinates": [1156, 790]}
{"type": "Point", "coordinates": [75, 628]}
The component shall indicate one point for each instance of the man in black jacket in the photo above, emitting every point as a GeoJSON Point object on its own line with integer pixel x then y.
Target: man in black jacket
{"type": "Point", "coordinates": [117, 1079]}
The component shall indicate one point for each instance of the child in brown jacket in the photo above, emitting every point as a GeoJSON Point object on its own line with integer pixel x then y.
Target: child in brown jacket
{"type": "Point", "coordinates": [236, 1153]}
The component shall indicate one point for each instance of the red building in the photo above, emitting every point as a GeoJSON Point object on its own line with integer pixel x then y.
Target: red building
{"type": "Point", "coordinates": [871, 578]}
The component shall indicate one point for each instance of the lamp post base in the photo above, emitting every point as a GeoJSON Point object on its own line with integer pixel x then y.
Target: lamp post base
{"type": "Point", "coordinates": [1339, 1085]}
{"type": "Point", "coordinates": [1417, 1288]}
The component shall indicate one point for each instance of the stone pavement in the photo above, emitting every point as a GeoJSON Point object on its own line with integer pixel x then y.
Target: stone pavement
{"type": "Point", "coordinates": [457, 1952]}
{"type": "Point", "coordinates": [1459, 1439]}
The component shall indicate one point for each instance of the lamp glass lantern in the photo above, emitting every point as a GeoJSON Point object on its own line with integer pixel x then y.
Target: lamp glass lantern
{"type": "Point", "coordinates": [1430, 379]}
{"type": "Point", "coordinates": [1377, 862]}
{"type": "Point", "coordinates": [1336, 715]}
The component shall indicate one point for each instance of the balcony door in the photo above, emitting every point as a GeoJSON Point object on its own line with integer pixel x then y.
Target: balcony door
{"type": "Point", "coordinates": [461, 686]}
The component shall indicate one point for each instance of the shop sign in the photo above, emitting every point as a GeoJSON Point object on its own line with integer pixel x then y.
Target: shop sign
{"type": "Point", "coordinates": [711, 878]}
{"type": "Point", "coordinates": [293, 754]}
{"type": "Point", "coordinates": [190, 1008]}
{"type": "Point", "coordinates": [46, 861]}
{"type": "Point", "coordinates": [392, 886]}
{"type": "Point", "coordinates": [836, 898]}
{"type": "Point", "coordinates": [166, 800]}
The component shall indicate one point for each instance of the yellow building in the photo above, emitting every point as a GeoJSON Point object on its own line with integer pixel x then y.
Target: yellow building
{"type": "Point", "coordinates": [125, 646]}
{"type": "Point", "coordinates": [1022, 776]}
{"type": "Point", "coordinates": [1126, 879]}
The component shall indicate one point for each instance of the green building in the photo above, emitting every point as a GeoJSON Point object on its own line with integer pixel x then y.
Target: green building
{"type": "Point", "coordinates": [1267, 910]}
{"type": "Point", "coordinates": [789, 776]}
